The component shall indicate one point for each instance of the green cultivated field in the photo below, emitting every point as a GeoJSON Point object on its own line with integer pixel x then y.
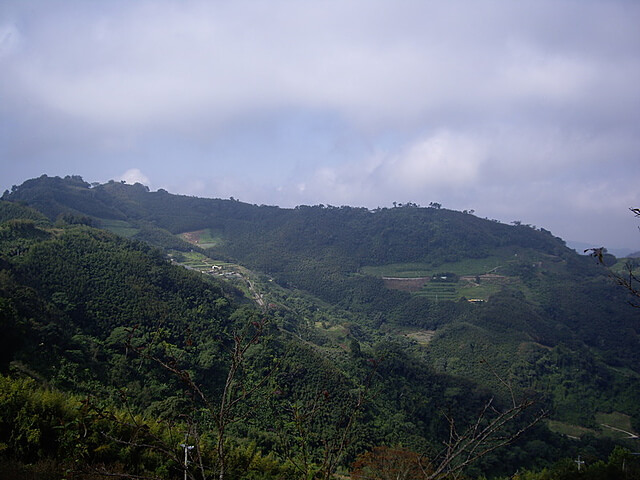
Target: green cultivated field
{"type": "Point", "coordinates": [471, 266]}
{"type": "Point", "coordinates": [439, 291]}
{"type": "Point", "coordinates": [468, 267]}
{"type": "Point", "coordinates": [197, 260]}
{"type": "Point", "coordinates": [482, 290]}
{"type": "Point", "coordinates": [400, 270]}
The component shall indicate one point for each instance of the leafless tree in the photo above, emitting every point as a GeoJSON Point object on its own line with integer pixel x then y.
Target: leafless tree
{"type": "Point", "coordinates": [296, 448]}
{"type": "Point", "coordinates": [492, 429]}
{"type": "Point", "coordinates": [488, 433]}
{"type": "Point", "coordinates": [461, 449]}
{"type": "Point", "coordinates": [629, 279]}
{"type": "Point", "coordinates": [138, 435]}
{"type": "Point", "coordinates": [224, 410]}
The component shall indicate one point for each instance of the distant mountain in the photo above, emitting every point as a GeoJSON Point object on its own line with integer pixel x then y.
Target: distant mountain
{"type": "Point", "coordinates": [455, 305]}
{"type": "Point", "coordinates": [583, 248]}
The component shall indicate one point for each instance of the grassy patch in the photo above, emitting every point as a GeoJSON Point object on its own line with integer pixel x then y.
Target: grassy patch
{"type": "Point", "coordinates": [569, 430]}
{"type": "Point", "coordinates": [615, 425]}
{"type": "Point", "coordinates": [481, 291]}
{"type": "Point", "coordinates": [119, 227]}
{"type": "Point", "coordinates": [334, 331]}
{"type": "Point", "coordinates": [198, 261]}
{"type": "Point", "coordinates": [422, 337]}
{"type": "Point", "coordinates": [337, 336]}
{"type": "Point", "coordinates": [400, 270]}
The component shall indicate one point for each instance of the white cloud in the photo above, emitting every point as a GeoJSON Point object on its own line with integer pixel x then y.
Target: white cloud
{"type": "Point", "coordinates": [134, 175]}
{"type": "Point", "coordinates": [443, 159]}
{"type": "Point", "coordinates": [438, 163]}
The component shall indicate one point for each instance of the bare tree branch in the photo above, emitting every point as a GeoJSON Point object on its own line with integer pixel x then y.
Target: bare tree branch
{"type": "Point", "coordinates": [235, 391]}
{"type": "Point", "coordinates": [482, 437]}
{"type": "Point", "coordinates": [629, 280]}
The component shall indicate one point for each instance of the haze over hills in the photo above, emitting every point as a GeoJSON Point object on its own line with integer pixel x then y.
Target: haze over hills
{"type": "Point", "coordinates": [454, 306]}
{"type": "Point", "coordinates": [581, 247]}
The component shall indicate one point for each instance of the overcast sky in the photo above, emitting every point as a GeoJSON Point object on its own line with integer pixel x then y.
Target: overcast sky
{"type": "Point", "coordinates": [521, 110]}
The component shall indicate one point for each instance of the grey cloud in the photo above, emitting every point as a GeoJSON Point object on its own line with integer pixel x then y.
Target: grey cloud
{"type": "Point", "coordinates": [143, 63]}
{"type": "Point", "coordinates": [501, 104]}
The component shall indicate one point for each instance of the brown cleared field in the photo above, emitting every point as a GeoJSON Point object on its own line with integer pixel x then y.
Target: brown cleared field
{"type": "Point", "coordinates": [201, 238]}
{"type": "Point", "coordinates": [192, 237]}
{"type": "Point", "coordinates": [405, 284]}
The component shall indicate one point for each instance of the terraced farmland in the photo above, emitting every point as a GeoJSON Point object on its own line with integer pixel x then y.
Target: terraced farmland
{"type": "Point", "coordinates": [439, 291]}
{"type": "Point", "coordinates": [478, 278]}
{"type": "Point", "coordinates": [200, 262]}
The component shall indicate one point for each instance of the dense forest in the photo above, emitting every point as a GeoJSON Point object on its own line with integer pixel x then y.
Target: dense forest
{"type": "Point", "coordinates": [285, 343]}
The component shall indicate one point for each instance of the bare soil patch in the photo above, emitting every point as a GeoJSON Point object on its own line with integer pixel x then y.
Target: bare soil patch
{"type": "Point", "coordinates": [405, 284]}
{"type": "Point", "coordinates": [192, 237]}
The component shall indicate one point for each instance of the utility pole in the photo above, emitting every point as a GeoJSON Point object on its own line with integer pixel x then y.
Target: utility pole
{"type": "Point", "coordinates": [186, 459]}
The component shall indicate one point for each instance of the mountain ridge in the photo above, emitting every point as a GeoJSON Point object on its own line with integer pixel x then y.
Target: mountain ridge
{"type": "Point", "coordinates": [546, 318]}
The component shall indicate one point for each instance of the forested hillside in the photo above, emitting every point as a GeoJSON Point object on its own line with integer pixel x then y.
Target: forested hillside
{"type": "Point", "coordinates": [340, 355]}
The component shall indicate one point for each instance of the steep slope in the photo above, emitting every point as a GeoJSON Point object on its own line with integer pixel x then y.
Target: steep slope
{"type": "Point", "coordinates": [539, 305]}
{"type": "Point", "coordinates": [77, 303]}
